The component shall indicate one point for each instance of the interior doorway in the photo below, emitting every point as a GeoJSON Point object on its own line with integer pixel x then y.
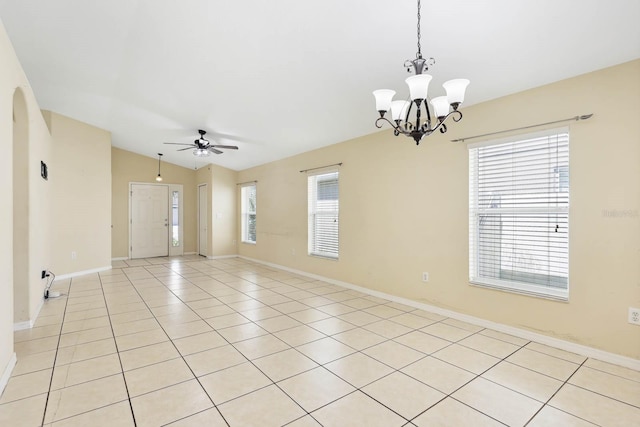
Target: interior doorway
{"type": "Point", "coordinates": [202, 219]}
{"type": "Point", "coordinates": [149, 220]}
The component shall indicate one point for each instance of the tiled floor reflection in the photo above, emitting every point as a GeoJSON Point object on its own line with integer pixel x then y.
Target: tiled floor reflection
{"type": "Point", "coordinates": [193, 342]}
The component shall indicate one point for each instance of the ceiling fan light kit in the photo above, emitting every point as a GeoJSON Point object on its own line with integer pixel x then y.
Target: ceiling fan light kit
{"type": "Point", "coordinates": [415, 125]}
{"type": "Point", "coordinates": [202, 147]}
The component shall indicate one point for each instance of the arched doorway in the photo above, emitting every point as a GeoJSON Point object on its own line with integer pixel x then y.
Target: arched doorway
{"type": "Point", "coordinates": [20, 211]}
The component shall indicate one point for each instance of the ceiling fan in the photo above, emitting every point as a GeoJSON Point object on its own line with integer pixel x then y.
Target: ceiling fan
{"type": "Point", "coordinates": [202, 147]}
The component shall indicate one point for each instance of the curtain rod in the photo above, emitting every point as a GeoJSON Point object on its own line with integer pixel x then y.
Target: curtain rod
{"type": "Point", "coordinates": [248, 182]}
{"type": "Point", "coordinates": [576, 118]}
{"type": "Point", "coordinates": [321, 167]}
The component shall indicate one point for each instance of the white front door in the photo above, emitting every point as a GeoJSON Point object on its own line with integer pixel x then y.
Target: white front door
{"type": "Point", "coordinates": [149, 220]}
{"type": "Point", "coordinates": [202, 219]}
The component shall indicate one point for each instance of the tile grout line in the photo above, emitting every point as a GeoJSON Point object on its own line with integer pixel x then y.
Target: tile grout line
{"type": "Point", "coordinates": [331, 316]}
{"type": "Point", "coordinates": [91, 358]}
{"type": "Point", "coordinates": [243, 355]}
{"type": "Point", "coordinates": [476, 376]}
{"type": "Point", "coordinates": [55, 357]}
{"type": "Point", "coordinates": [124, 379]}
{"type": "Point", "coordinates": [250, 361]}
{"type": "Point", "coordinates": [394, 370]}
{"type": "Point", "coordinates": [239, 289]}
{"type": "Point", "coordinates": [565, 382]}
{"type": "Point", "coordinates": [178, 351]}
{"type": "Point", "coordinates": [356, 389]}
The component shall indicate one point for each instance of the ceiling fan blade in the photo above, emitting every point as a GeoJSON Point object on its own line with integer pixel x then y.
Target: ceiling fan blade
{"type": "Point", "coordinates": [213, 150]}
{"type": "Point", "coordinates": [177, 143]}
{"type": "Point", "coordinates": [228, 147]}
{"type": "Point", "coordinates": [188, 148]}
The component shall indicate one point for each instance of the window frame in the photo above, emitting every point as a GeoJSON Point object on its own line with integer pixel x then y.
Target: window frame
{"type": "Point", "coordinates": [179, 249]}
{"type": "Point", "coordinates": [330, 210]}
{"type": "Point", "coordinates": [556, 181]}
{"type": "Point", "coordinates": [245, 214]}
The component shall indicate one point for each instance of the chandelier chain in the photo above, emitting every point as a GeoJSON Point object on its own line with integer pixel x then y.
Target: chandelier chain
{"type": "Point", "coordinates": [419, 54]}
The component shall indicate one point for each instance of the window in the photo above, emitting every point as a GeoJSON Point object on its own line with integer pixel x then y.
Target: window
{"type": "Point", "coordinates": [323, 214]}
{"type": "Point", "coordinates": [176, 220]}
{"type": "Point", "coordinates": [248, 209]}
{"type": "Point", "coordinates": [519, 214]}
{"type": "Point", "coordinates": [175, 215]}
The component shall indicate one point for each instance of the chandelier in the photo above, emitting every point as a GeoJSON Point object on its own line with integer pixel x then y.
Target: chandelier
{"type": "Point", "coordinates": [419, 122]}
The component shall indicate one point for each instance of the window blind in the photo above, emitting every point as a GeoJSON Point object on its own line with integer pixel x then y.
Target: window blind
{"type": "Point", "coordinates": [248, 212]}
{"type": "Point", "coordinates": [519, 214]}
{"type": "Point", "coordinates": [323, 211]}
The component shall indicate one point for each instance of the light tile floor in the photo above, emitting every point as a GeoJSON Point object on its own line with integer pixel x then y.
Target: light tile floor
{"type": "Point", "coordinates": [187, 341]}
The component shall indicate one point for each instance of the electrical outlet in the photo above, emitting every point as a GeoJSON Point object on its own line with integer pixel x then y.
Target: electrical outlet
{"type": "Point", "coordinates": [634, 316]}
{"type": "Point", "coordinates": [425, 277]}
{"type": "Point", "coordinates": [74, 255]}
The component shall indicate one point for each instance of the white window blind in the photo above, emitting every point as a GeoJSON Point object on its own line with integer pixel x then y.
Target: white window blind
{"type": "Point", "coordinates": [248, 213]}
{"type": "Point", "coordinates": [323, 210]}
{"type": "Point", "coordinates": [519, 214]}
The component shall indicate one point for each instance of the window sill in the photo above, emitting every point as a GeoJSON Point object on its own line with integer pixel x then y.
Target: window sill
{"type": "Point", "coordinates": [523, 289]}
{"type": "Point", "coordinates": [330, 258]}
{"type": "Point", "coordinates": [248, 242]}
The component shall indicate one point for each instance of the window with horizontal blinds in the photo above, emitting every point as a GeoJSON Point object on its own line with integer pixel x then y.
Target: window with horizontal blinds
{"type": "Point", "coordinates": [248, 213]}
{"type": "Point", "coordinates": [519, 214]}
{"type": "Point", "coordinates": [323, 210]}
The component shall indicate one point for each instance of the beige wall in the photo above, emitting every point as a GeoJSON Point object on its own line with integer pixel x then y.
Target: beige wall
{"type": "Point", "coordinates": [129, 167]}
{"type": "Point", "coordinates": [204, 176]}
{"type": "Point", "coordinates": [20, 209]}
{"type": "Point", "coordinates": [404, 210]}
{"type": "Point", "coordinates": [80, 175]}
{"type": "Point", "coordinates": [39, 223]}
{"type": "Point", "coordinates": [224, 218]}
{"type": "Point", "coordinates": [221, 211]}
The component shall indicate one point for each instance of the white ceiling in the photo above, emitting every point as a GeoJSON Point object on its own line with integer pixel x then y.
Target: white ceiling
{"type": "Point", "coordinates": [281, 77]}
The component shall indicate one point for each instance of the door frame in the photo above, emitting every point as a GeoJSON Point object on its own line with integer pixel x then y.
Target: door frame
{"type": "Point", "coordinates": [170, 189]}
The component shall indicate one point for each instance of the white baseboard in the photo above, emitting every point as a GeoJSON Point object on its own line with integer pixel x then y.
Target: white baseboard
{"type": "Point", "coordinates": [222, 256]}
{"type": "Point", "coordinates": [28, 324]}
{"type": "Point", "coordinates": [82, 273]}
{"type": "Point", "coordinates": [584, 350]}
{"type": "Point", "coordinates": [6, 374]}
{"type": "Point", "coordinates": [124, 258]}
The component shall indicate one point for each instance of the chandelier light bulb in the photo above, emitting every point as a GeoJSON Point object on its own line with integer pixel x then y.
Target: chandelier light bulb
{"type": "Point", "coordinates": [383, 99]}
{"type": "Point", "coordinates": [418, 86]}
{"type": "Point", "coordinates": [399, 109]}
{"type": "Point", "coordinates": [440, 106]}
{"type": "Point", "coordinates": [455, 90]}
